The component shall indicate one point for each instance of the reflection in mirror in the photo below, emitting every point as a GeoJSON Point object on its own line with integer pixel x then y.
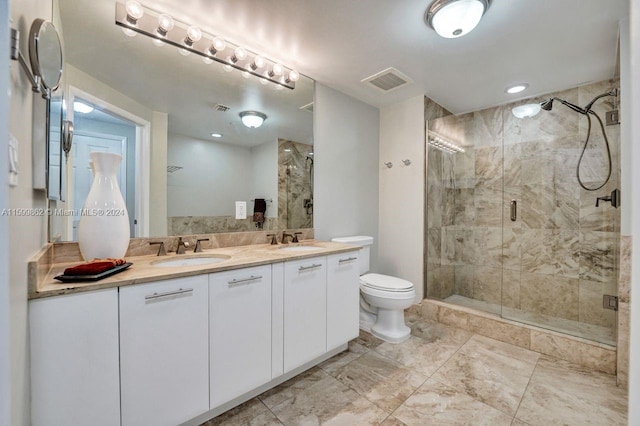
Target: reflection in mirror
{"type": "Point", "coordinates": [193, 160]}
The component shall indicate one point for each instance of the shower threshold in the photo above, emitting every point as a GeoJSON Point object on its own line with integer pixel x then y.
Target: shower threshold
{"type": "Point", "coordinates": [583, 330]}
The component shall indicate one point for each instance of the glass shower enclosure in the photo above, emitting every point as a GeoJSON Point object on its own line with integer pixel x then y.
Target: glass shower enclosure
{"type": "Point", "coordinates": [510, 230]}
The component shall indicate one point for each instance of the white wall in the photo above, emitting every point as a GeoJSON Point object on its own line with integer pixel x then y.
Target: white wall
{"type": "Point", "coordinates": [5, 305]}
{"type": "Point", "coordinates": [214, 177]}
{"type": "Point", "coordinates": [401, 223]}
{"type": "Point", "coordinates": [265, 175]}
{"type": "Point", "coordinates": [634, 87]}
{"type": "Point", "coordinates": [346, 142]}
{"type": "Point", "coordinates": [26, 234]}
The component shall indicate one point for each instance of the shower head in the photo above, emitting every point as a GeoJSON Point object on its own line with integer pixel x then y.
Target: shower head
{"type": "Point", "coordinates": [547, 105]}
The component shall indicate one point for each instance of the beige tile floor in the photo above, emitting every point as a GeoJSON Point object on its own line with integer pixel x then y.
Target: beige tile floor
{"type": "Point", "coordinates": [440, 376]}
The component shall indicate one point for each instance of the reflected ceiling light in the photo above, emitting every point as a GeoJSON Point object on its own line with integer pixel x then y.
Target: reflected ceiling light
{"type": "Point", "coordinates": [287, 150]}
{"type": "Point", "coordinates": [216, 135]}
{"type": "Point", "coordinates": [246, 74]}
{"type": "Point", "coordinates": [252, 119]}
{"type": "Point", "coordinates": [82, 108]}
{"type": "Point", "coordinates": [443, 143]}
{"type": "Point", "coordinates": [455, 18]}
{"type": "Point", "coordinates": [526, 111]}
{"type": "Point", "coordinates": [516, 88]}
{"type": "Point", "coordinates": [163, 29]}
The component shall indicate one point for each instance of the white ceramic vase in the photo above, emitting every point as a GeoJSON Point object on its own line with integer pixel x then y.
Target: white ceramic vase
{"type": "Point", "coordinates": [104, 225]}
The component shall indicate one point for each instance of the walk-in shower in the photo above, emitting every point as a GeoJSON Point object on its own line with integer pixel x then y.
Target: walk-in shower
{"type": "Point", "coordinates": [553, 261]}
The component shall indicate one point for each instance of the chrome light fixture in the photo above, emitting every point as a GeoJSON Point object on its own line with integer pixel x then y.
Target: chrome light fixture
{"type": "Point", "coordinates": [455, 18]}
{"type": "Point", "coordinates": [252, 119]}
{"type": "Point", "coordinates": [135, 18]}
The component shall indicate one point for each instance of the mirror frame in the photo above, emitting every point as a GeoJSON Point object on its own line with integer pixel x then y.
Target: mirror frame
{"type": "Point", "coordinates": [35, 48]}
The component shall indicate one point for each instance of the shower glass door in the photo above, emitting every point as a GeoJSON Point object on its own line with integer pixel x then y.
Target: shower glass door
{"type": "Point", "coordinates": [560, 251]}
{"type": "Point", "coordinates": [509, 229]}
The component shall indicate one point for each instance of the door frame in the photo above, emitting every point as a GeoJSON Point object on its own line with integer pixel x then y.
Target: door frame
{"type": "Point", "coordinates": [143, 159]}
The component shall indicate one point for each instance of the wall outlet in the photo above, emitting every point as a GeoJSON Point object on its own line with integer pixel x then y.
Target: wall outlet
{"type": "Point", "coordinates": [241, 209]}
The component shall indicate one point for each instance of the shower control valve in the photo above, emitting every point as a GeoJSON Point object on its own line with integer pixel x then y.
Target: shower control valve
{"type": "Point", "coordinates": [614, 199]}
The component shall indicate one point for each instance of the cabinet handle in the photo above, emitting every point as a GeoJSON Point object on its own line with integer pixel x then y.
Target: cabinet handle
{"type": "Point", "coordinates": [348, 259]}
{"type": "Point", "coordinates": [168, 293]}
{"type": "Point", "coordinates": [251, 278]}
{"type": "Point", "coordinates": [304, 268]}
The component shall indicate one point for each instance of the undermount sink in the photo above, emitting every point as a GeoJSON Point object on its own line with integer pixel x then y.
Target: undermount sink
{"type": "Point", "coordinates": [190, 261]}
{"type": "Point", "coordinates": [298, 248]}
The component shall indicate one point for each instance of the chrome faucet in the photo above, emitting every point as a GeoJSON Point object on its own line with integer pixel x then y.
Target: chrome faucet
{"type": "Point", "coordinates": [274, 239]}
{"type": "Point", "coordinates": [198, 248]}
{"type": "Point", "coordinates": [182, 245]}
{"type": "Point", "coordinates": [295, 237]}
{"type": "Point", "coordinates": [284, 237]}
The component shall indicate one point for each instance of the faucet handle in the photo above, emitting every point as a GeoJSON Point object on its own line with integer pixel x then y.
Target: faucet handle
{"type": "Point", "coordinates": [198, 248]}
{"type": "Point", "coordinates": [161, 249]}
{"type": "Point", "coordinates": [295, 237]}
{"type": "Point", "coordinates": [182, 245]}
{"type": "Point", "coordinates": [274, 239]}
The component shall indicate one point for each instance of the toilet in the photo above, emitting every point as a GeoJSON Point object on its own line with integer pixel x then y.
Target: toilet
{"type": "Point", "coordinates": [383, 298]}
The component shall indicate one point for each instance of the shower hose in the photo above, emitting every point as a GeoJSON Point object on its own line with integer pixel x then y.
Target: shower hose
{"type": "Point", "coordinates": [584, 148]}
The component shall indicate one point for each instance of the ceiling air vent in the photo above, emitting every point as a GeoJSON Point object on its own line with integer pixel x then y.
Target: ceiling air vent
{"type": "Point", "coordinates": [308, 107]}
{"type": "Point", "coordinates": [221, 108]}
{"type": "Point", "coordinates": [388, 80]}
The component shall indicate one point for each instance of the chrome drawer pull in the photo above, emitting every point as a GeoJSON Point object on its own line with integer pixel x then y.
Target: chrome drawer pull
{"type": "Point", "coordinates": [168, 293]}
{"type": "Point", "coordinates": [348, 259]}
{"type": "Point", "coordinates": [251, 278]}
{"type": "Point", "coordinates": [304, 268]}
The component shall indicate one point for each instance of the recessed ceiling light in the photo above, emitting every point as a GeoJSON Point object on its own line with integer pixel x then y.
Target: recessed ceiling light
{"type": "Point", "coordinates": [216, 135]}
{"type": "Point", "coordinates": [517, 88]}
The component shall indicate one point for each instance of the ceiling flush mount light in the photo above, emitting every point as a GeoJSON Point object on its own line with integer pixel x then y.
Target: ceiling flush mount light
{"type": "Point", "coordinates": [252, 119]}
{"type": "Point", "coordinates": [216, 135]}
{"type": "Point", "coordinates": [516, 88]}
{"type": "Point", "coordinates": [165, 30]}
{"type": "Point", "coordinates": [455, 18]}
{"type": "Point", "coordinates": [526, 111]}
{"type": "Point", "coordinates": [82, 108]}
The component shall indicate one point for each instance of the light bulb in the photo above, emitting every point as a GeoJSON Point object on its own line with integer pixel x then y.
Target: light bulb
{"type": "Point", "coordinates": [165, 24]}
{"type": "Point", "coordinates": [294, 75]}
{"type": "Point", "coordinates": [246, 74]}
{"type": "Point", "coordinates": [134, 11]}
{"type": "Point", "coordinates": [219, 44]}
{"type": "Point", "coordinates": [129, 32]}
{"type": "Point", "coordinates": [207, 60]}
{"type": "Point", "coordinates": [193, 34]}
{"type": "Point", "coordinates": [184, 52]}
{"type": "Point", "coordinates": [240, 53]}
{"type": "Point", "coordinates": [227, 67]}
{"type": "Point", "coordinates": [277, 69]}
{"type": "Point", "coordinates": [258, 62]}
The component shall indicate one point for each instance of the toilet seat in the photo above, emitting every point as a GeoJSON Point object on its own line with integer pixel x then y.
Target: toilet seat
{"type": "Point", "coordinates": [385, 283]}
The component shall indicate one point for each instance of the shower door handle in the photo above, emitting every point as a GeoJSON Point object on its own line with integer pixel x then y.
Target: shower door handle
{"type": "Point", "coordinates": [514, 210]}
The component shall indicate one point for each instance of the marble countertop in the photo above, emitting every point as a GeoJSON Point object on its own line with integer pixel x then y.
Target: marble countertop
{"type": "Point", "coordinates": [143, 270]}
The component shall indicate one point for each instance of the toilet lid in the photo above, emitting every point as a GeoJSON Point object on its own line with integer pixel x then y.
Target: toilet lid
{"type": "Point", "coordinates": [385, 282]}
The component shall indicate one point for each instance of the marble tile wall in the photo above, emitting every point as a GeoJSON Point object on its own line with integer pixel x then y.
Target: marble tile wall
{"type": "Point", "coordinates": [295, 185]}
{"type": "Point", "coordinates": [624, 313]}
{"type": "Point", "coordinates": [560, 256]}
{"type": "Point", "coordinates": [188, 225]}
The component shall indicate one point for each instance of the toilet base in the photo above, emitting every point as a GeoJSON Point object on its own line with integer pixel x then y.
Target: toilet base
{"type": "Point", "coordinates": [390, 326]}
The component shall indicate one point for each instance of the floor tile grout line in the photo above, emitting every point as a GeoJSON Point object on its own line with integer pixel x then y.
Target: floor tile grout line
{"type": "Point", "coordinates": [525, 390]}
{"type": "Point", "coordinates": [274, 414]}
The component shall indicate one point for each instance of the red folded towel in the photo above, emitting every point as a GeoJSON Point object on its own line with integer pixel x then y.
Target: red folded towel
{"type": "Point", "coordinates": [96, 266]}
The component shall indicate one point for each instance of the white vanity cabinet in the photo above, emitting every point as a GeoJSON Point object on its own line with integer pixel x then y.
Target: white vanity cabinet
{"type": "Point", "coordinates": [75, 377]}
{"type": "Point", "coordinates": [305, 311]}
{"type": "Point", "coordinates": [164, 351]}
{"type": "Point", "coordinates": [240, 332]}
{"type": "Point", "coordinates": [343, 299]}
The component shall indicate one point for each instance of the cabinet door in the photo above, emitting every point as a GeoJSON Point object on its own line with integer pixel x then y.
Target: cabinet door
{"type": "Point", "coordinates": [240, 332]}
{"type": "Point", "coordinates": [305, 311]}
{"type": "Point", "coordinates": [74, 359]}
{"type": "Point", "coordinates": [343, 299]}
{"type": "Point", "coordinates": [164, 348]}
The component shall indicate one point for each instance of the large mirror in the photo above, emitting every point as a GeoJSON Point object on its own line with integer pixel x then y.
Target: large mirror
{"type": "Point", "coordinates": [189, 164]}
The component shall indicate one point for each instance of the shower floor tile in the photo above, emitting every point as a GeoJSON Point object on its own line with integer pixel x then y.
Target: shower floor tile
{"type": "Point", "coordinates": [441, 375]}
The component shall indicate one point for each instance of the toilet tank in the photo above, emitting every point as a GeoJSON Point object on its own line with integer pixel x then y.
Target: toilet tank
{"type": "Point", "coordinates": [362, 241]}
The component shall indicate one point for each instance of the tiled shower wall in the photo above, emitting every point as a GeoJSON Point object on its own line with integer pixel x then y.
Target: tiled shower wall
{"type": "Point", "coordinates": [295, 185]}
{"type": "Point", "coordinates": [558, 258]}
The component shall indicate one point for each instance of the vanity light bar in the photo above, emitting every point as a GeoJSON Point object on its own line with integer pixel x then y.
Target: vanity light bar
{"type": "Point", "coordinates": [190, 39]}
{"type": "Point", "coordinates": [443, 144]}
